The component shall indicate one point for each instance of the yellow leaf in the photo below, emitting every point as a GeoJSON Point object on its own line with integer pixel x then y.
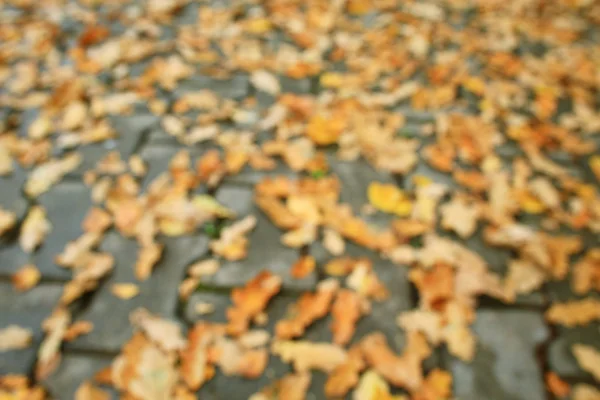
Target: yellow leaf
{"type": "Point", "coordinates": [125, 291]}
{"type": "Point", "coordinates": [210, 205]}
{"type": "Point", "coordinates": [332, 80]}
{"type": "Point", "coordinates": [595, 165]}
{"type": "Point", "coordinates": [421, 180]}
{"type": "Point", "coordinates": [403, 208]}
{"type": "Point", "coordinates": [384, 197]}
{"type": "Point", "coordinates": [259, 25]}
{"type": "Point", "coordinates": [530, 204]}
{"type": "Point", "coordinates": [324, 131]}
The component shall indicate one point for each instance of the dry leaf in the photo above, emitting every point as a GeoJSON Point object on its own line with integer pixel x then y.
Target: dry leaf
{"type": "Point", "coordinates": [574, 313]}
{"type": "Point", "coordinates": [148, 256]}
{"type": "Point", "coordinates": [309, 308]}
{"type": "Point", "coordinates": [586, 273]}
{"type": "Point", "coordinates": [164, 333]}
{"type": "Point", "coordinates": [405, 370]}
{"type": "Point", "coordinates": [204, 268]}
{"type": "Point", "coordinates": [125, 291]}
{"type": "Point", "coordinates": [266, 82]}
{"type": "Point", "coordinates": [460, 216]}
{"type": "Point", "coordinates": [437, 386]}
{"type": "Point", "coordinates": [233, 245]}
{"type": "Point", "coordinates": [96, 221]}
{"type": "Point", "coordinates": [7, 221]}
{"type": "Point", "coordinates": [588, 359]}
{"type": "Point", "coordinates": [26, 277]}
{"type": "Point", "coordinates": [48, 356]}
{"type": "Point", "coordinates": [346, 311]}
{"type": "Point", "coordinates": [333, 242]}
{"type": "Point", "coordinates": [290, 387]}
{"type": "Point", "coordinates": [251, 300]}
{"type": "Point", "coordinates": [427, 322]}
{"type": "Point", "coordinates": [14, 337]}
{"type": "Point", "coordinates": [34, 229]}
{"type": "Point", "coordinates": [303, 267]}
{"type": "Point", "coordinates": [585, 392]}
{"type": "Point", "coordinates": [557, 386]}
{"type": "Point", "coordinates": [306, 355]}
{"type": "Point", "coordinates": [202, 308]}
{"type": "Point", "coordinates": [235, 360]}
{"type": "Point", "coordinates": [195, 367]}
{"type": "Point", "coordinates": [87, 391]}
{"type": "Point", "coordinates": [46, 175]}
{"type": "Point", "coordinates": [373, 387]}
{"type": "Point", "coordinates": [77, 329]}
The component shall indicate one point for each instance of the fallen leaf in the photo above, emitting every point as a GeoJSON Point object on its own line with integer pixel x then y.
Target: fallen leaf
{"type": "Point", "coordinates": [405, 370]}
{"type": "Point", "coordinates": [125, 291]}
{"type": "Point", "coordinates": [309, 308]}
{"type": "Point", "coordinates": [557, 386]}
{"type": "Point", "coordinates": [333, 242]}
{"type": "Point", "coordinates": [291, 387]}
{"type": "Point", "coordinates": [437, 386]}
{"type": "Point", "coordinates": [46, 175]}
{"type": "Point", "coordinates": [14, 337]}
{"type": "Point", "coordinates": [148, 256]}
{"type": "Point", "coordinates": [233, 245]}
{"type": "Point", "coordinates": [586, 273]}
{"type": "Point", "coordinates": [26, 278]}
{"type": "Point", "coordinates": [373, 387]}
{"type": "Point", "coordinates": [203, 308]}
{"type": "Point", "coordinates": [582, 391]}
{"type": "Point", "coordinates": [574, 313]}
{"type": "Point", "coordinates": [266, 82]}
{"type": "Point", "coordinates": [306, 355]}
{"type": "Point", "coordinates": [166, 334]}
{"type": "Point", "coordinates": [323, 130]}
{"type": "Point", "coordinates": [588, 359]}
{"type": "Point", "coordinates": [77, 329]}
{"type": "Point", "coordinates": [251, 300]}
{"type": "Point", "coordinates": [427, 322]}
{"type": "Point", "coordinates": [87, 391]}
{"type": "Point", "coordinates": [97, 220]}
{"type": "Point", "coordinates": [204, 268]}
{"type": "Point", "coordinates": [303, 267]}
{"type": "Point", "coordinates": [346, 311]}
{"type": "Point", "coordinates": [34, 229]}
{"type": "Point", "coordinates": [195, 367]}
{"type": "Point", "coordinates": [7, 221]}
{"type": "Point", "coordinates": [460, 216]}
{"type": "Point", "coordinates": [48, 356]}
{"type": "Point", "coordinates": [235, 360]}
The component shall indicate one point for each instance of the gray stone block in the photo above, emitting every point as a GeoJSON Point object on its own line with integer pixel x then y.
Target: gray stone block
{"type": "Point", "coordinates": [505, 366]}
{"type": "Point", "coordinates": [66, 205]}
{"type": "Point", "coordinates": [75, 369]}
{"type": "Point", "coordinates": [158, 294]}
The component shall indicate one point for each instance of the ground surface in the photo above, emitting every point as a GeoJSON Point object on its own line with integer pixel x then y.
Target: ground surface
{"type": "Point", "coordinates": [505, 91]}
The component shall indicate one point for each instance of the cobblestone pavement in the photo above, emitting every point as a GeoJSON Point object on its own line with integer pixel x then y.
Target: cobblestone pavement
{"type": "Point", "coordinates": [517, 348]}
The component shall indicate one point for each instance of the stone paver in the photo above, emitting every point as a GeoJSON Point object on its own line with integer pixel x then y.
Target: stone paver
{"type": "Point", "coordinates": [158, 294]}
{"type": "Point", "coordinates": [505, 365]}
{"type": "Point", "coordinates": [26, 310]}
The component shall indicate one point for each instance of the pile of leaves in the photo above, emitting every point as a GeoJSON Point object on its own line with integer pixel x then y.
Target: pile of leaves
{"type": "Point", "coordinates": [506, 96]}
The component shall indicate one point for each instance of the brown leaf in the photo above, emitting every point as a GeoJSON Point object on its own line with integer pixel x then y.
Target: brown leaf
{"type": "Point", "coordinates": [303, 267]}
{"type": "Point", "coordinates": [7, 220]}
{"type": "Point", "coordinates": [251, 300]}
{"type": "Point", "coordinates": [278, 213]}
{"type": "Point", "coordinates": [148, 256]}
{"type": "Point", "coordinates": [266, 82]}
{"type": "Point", "coordinates": [34, 229]}
{"type": "Point", "coordinates": [26, 278]}
{"type": "Point", "coordinates": [97, 220]}
{"type": "Point", "coordinates": [14, 337]}
{"type": "Point", "coordinates": [460, 216]}
{"type": "Point", "coordinates": [586, 273]}
{"type": "Point", "coordinates": [305, 355]}
{"type": "Point", "coordinates": [588, 359]}
{"type": "Point", "coordinates": [437, 386]}
{"type": "Point", "coordinates": [434, 285]}
{"type": "Point", "coordinates": [233, 245]}
{"type": "Point", "coordinates": [195, 367]}
{"type": "Point", "coordinates": [309, 308]}
{"type": "Point", "coordinates": [585, 392]}
{"type": "Point", "coordinates": [87, 391]}
{"type": "Point", "coordinates": [427, 322]}
{"type": "Point", "coordinates": [345, 376]}
{"type": "Point", "coordinates": [46, 175]}
{"type": "Point", "coordinates": [405, 370]}
{"type": "Point", "coordinates": [290, 387]}
{"type": "Point", "coordinates": [333, 242]}
{"type": "Point", "coordinates": [557, 386]}
{"type": "Point", "coordinates": [77, 329]}
{"type": "Point", "coordinates": [235, 360]}
{"type": "Point", "coordinates": [574, 313]}
{"type": "Point", "coordinates": [164, 333]}
{"type": "Point", "coordinates": [125, 291]}
{"type": "Point", "coordinates": [347, 309]}
{"type": "Point", "coordinates": [48, 356]}
{"type": "Point", "coordinates": [204, 268]}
